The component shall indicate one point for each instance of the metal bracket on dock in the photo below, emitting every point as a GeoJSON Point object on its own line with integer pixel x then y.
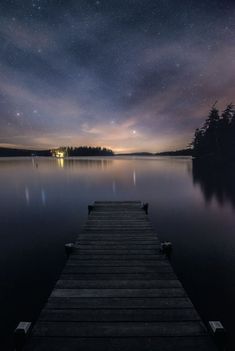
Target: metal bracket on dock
{"type": "Point", "coordinates": [69, 248]}
{"type": "Point", "coordinates": [20, 334]}
{"type": "Point", "coordinates": [145, 207]}
{"type": "Point", "coordinates": [90, 208]}
{"type": "Point", "coordinates": [166, 248]}
{"type": "Point", "coordinates": [219, 333]}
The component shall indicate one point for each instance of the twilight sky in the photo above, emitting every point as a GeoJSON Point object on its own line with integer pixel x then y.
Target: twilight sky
{"type": "Point", "coordinates": [130, 75]}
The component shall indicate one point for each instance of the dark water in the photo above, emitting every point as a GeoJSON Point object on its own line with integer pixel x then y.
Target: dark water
{"type": "Point", "coordinates": [43, 204]}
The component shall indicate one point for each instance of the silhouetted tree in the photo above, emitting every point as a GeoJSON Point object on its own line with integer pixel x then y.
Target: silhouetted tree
{"type": "Point", "coordinates": [216, 138]}
{"type": "Point", "coordinates": [225, 129]}
{"type": "Point", "coordinates": [8, 152]}
{"type": "Point", "coordinates": [198, 142]}
{"type": "Point", "coordinates": [232, 133]}
{"type": "Point", "coordinates": [89, 151]}
{"type": "Point", "coordinates": [210, 132]}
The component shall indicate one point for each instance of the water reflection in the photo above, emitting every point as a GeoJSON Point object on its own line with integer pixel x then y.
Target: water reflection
{"type": "Point", "coordinates": [44, 204]}
{"type": "Point", "coordinates": [85, 163]}
{"type": "Point", "coordinates": [134, 178]}
{"type": "Point", "coordinates": [27, 198]}
{"type": "Point", "coordinates": [114, 186]}
{"type": "Point", "coordinates": [43, 197]}
{"type": "Point", "coordinates": [215, 183]}
{"type": "Point", "coordinates": [60, 162]}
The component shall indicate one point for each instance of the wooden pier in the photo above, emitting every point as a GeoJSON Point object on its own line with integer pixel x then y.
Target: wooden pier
{"type": "Point", "coordinates": [118, 292]}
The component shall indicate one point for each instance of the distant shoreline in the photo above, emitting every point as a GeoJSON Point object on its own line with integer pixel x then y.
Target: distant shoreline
{"type": "Point", "coordinates": [7, 152]}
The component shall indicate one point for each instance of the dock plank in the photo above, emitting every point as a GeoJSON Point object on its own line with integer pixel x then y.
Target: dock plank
{"type": "Point", "coordinates": [119, 276]}
{"type": "Point", "coordinates": [118, 303]}
{"type": "Point", "coordinates": [116, 284]}
{"type": "Point", "coordinates": [120, 329]}
{"type": "Point", "coordinates": [127, 315]}
{"type": "Point", "coordinates": [143, 292]}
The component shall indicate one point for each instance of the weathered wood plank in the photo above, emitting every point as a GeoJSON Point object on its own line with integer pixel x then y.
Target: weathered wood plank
{"type": "Point", "coordinates": [86, 329]}
{"type": "Point", "coordinates": [144, 292]}
{"type": "Point", "coordinates": [117, 284]}
{"type": "Point", "coordinates": [117, 263]}
{"type": "Point", "coordinates": [116, 270]}
{"type": "Point", "coordinates": [127, 315]}
{"type": "Point", "coordinates": [115, 230]}
{"type": "Point", "coordinates": [198, 343]}
{"type": "Point", "coordinates": [110, 257]}
{"type": "Point", "coordinates": [116, 237]}
{"type": "Point", "coordinates": [102, 239]}
{"type": "Point", "coordinates": [118, 276]}
{"type": "Point", "coordinates": [121, 246]}
{"type": "Point", "coordinates": [118, 252]}
{"type": "Point", "coordinates": [118, 303]}
{"type": "Point", "coordinates": [114, 219]}
{"type": "Point", "coordinates": [111, 226]}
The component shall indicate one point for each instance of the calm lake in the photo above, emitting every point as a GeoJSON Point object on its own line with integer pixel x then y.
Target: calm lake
{"type": "Point", "coordinates": [43, 205]}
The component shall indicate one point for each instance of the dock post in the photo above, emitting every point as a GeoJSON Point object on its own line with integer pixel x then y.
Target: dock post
{"type": "Point", "coordinates": [219, 333]}
{"type": "Point", "coordinates": [90, 208]}
{"type": "Point", "coordinates": [166, 248]}
{"type": "Point", "coordinates": [20, 334]}
{"type": "Point", "coordinates": [69, 248]}
{"type": "Point", "coordinates": [145, 207]}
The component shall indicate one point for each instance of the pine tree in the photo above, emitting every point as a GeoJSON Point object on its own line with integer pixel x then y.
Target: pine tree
{"type": "Point", "coordinates": [216, 139]}
{"type": "Point", "coordinates": [225, 136]}
{"type": "Point", "coordinates": [210, 130]}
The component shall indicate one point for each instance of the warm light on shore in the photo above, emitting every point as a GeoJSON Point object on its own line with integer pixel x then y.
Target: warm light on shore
{"type": "Point", "coordinates": [59, 154]}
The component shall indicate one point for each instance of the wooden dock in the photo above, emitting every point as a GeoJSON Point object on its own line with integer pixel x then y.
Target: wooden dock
{"type": "Point", "coordinates": [117, 292]}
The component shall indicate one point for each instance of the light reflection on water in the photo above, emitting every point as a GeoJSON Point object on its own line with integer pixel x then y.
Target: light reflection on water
{"type": "Point", "coordinates": [44, 204]}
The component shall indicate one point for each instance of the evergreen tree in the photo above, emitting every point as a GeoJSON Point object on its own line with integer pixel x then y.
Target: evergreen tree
{"type": "Point", "coordinates": [225, 129]}
{"type": "Point", "coordinates": [210, 132]}
{"type": "Point", "coordinates": [216, 138]}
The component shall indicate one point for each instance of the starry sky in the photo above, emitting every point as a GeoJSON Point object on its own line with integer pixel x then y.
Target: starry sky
{"type": "Point", "coordinates": [132, 75]}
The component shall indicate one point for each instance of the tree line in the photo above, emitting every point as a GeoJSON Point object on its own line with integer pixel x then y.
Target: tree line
{"type": "Point", "coordinates": [9, 152]}
{"type": "Point", "coordinates": [66, 151]}
{"type": "Point", "coordinates": [216, 138]}
{"type": "Point", "coordinates": [88, 151]}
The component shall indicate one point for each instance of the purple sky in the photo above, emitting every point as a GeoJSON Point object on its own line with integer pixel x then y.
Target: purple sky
{"type": "Point", "coordinates": [129, 75]}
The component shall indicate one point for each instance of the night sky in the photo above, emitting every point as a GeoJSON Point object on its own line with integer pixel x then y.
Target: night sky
{"type": "Point", "coordinates": [129, 75]}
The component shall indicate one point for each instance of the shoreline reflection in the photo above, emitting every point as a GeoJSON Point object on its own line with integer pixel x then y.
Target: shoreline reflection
{"type": "Point", "coordinates": [84, 163]}
{"type": "Point", "coordinates": [215, 183]}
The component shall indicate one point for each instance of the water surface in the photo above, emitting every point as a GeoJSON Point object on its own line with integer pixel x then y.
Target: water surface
{"type": "Point", "coordinates": [43, 205]}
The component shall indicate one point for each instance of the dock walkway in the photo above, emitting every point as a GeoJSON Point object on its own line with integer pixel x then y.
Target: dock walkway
{"type": "Point", "coordinates": [117, 292]}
